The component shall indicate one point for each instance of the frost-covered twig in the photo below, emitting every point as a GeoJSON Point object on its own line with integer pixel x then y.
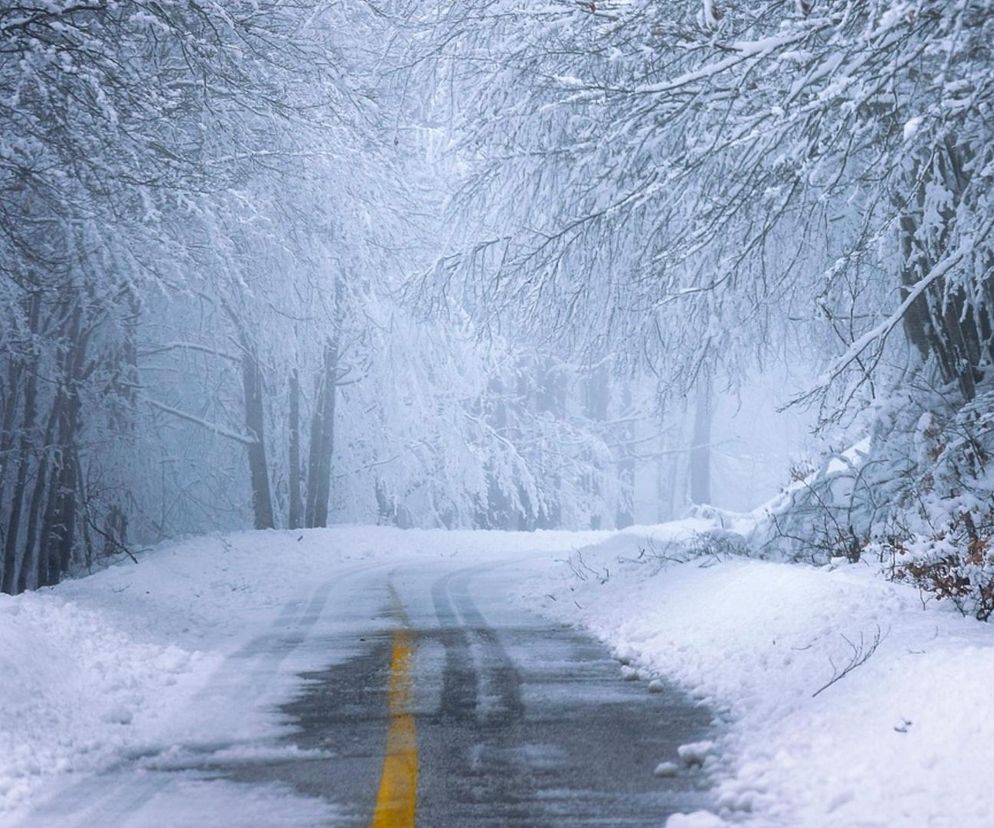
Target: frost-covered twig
{"type": "Point", "coordinates": [861, 653]}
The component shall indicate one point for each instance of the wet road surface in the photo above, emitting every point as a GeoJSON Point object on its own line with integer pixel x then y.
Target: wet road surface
{"type": "Point", "coordinates": [493, 717]}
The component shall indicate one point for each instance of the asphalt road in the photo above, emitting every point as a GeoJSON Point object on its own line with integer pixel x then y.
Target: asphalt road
{"type": "Point", "coordinates": [442, 704]}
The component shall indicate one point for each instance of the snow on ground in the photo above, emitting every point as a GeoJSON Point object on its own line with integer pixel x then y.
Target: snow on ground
{"type": "Point", "coordinates": [114, 665]}
{"type": "Point", "coordinates": [904, 739]}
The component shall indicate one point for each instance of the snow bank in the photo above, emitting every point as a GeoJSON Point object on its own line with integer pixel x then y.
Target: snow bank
{"type": "Point", "coordinates": [902, 739]}
{"type": "Point", "coordinates": [71, 685]}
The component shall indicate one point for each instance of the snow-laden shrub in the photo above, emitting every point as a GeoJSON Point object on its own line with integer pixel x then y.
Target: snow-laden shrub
{"type": "Point", "coordinates": [917, 496]}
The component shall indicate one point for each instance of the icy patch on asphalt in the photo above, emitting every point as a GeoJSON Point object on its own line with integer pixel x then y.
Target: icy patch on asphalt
{"type": "Point", "coordinates": [181, 758]}
{"type": "Point", "coordinates": [848, 704]}
{"type": "Point", "coordinates": [203, 803]}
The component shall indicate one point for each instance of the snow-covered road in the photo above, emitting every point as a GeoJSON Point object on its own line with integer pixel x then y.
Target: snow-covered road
{"type": "Point", "coordinates": [262, 678]}
{"type": "Point", "coordinates": [518, 720]}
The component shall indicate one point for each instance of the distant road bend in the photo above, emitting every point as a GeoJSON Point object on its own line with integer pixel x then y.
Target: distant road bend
{"type": "Point", "coordinates": [443, 705]}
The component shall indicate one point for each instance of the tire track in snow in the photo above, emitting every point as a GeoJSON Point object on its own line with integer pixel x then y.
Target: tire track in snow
{"type": "Point", "coordinates": [110, 797]}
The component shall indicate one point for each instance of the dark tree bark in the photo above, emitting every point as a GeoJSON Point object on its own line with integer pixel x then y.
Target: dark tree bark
{"type": "Point", "coordinates": [323, 438]}
{"type": "Point", "coordinates": [322, 430]}
{"type": "Point", "coordinates": [253, 399]}
{"type": "Point", "coordinates": [11, 557]}
{"type": "Point", "coordinates": [295, 518]}
{"type": "Point", "coordinates": [255, 418]}
{"type": "Point", "coordinates": [33, 562]}
{"type": "Point", "coordinates": [70, 412]}
{"type": "Point", "coordinates": [944, 324]}
{"type": "Point", "coordinates": [11, 403]}
{"type": "Point", "coordinates": [59, 535]}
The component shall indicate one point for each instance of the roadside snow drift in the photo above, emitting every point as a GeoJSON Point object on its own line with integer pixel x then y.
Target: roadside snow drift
{"type": "Point", "coordinates": [848, 703]}
{"type": "Point", "coordinates": [70, 685]}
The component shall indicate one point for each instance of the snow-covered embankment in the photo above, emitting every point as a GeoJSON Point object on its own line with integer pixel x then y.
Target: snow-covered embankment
{"type": "Point", "coordinates": [848, 702]}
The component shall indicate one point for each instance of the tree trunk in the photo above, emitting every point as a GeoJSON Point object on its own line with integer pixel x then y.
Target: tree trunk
{"type": "Point", "coordinates": [322, 447]}
{"type": "Point", "coordinates": [11, 404]}
{"type": "Point", "coordinates": [700, 449]}
{"type": "Point", "coordinates": [943, 324]}
{"type": "Point", "coordinates": [295, 518]}
{"type": "Point", "coordinates": [255, 418]}
{"type": "Point", "coordinates": [322, 438]}
{"type": "Point", "coordinates": [12, 560]}
{"type": "Point", "coordinates": [33, 564]}
{"type": "Point", "coordinates": [59, 535]}
{"type": "Point", "coordinates": [626, 467]}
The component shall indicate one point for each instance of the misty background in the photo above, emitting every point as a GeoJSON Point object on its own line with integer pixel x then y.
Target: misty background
{"type": "Point", "coordinates": [492, 265]}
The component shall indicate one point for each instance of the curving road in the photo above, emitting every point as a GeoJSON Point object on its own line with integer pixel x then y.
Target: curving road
{"type": "Point", "coordinates": [442, 704]}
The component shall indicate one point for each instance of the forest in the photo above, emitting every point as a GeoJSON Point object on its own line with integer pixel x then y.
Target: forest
{"type": "Point", "coordinates": [509, 265]}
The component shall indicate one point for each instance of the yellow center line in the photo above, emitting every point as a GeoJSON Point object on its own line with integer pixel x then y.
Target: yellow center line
{"type": "Point", "coordinates": [396, 801]}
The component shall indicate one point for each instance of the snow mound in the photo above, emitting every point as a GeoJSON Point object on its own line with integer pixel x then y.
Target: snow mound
{"type": "Point", "coordinates": [71, 685]}
{"type": "Point", "coordinates": [844, 701]}
{"type": "Point", "coordinates": [695, 753]}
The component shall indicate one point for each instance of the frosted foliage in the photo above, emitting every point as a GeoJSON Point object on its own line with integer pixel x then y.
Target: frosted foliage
{"type": "Point", "coordinates": [477, 264]}
{"type": "Point", "coordinates": [914, 497]}
{"type": "Point", "coordinates": [704, 188]}
{"type": "Point", "coordinates": [713, 193]}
